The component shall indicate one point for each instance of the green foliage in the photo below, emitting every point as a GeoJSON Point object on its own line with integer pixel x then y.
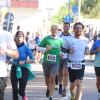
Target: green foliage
{"type": "Point", "coordinates": [63, 11]}
{"type": "Point", "coordinates": [87, 5]}
{"type": "Point", "coordinates": [89, 9]}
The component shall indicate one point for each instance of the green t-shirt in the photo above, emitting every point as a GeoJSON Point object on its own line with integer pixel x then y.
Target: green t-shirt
{"type": "Point", "coordinates": [52, 55]}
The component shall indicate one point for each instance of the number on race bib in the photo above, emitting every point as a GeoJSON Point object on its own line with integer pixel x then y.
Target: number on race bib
{"type": "Point", "coordinates": [51, 57]}
{"type": "Point", "coordinates": [76, 65]}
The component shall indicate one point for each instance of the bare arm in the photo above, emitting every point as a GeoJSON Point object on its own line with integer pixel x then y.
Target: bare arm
{"type": "Point", "coordinates": [9, 52]}
{"type": "Point", "coordinates": [12, 53]}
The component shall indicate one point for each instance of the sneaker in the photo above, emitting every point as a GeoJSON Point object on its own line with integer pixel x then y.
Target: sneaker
{"type": "Point", "coordinates": [98, 96]}
{"type": "Point", "coordinates": [56, 80]}
{"type": "Point", "coordinates": [47, 93]}
{"type": "Point", "coordinates": [50, 98]}
{"type": "Point", "coordinates": [60, 89]}
{"type": "Point", "coordinates": [25, 98]}
{"type": "Point", "coordinates": [56, 87]}
{"type": "Point", "coordinates": [72, 98]}
{"type": "Point", "coordinates": [64, 93]}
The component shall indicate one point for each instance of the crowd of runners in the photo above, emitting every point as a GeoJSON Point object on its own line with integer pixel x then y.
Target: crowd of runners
{"type": "Point", "coordinates": [61, 53]}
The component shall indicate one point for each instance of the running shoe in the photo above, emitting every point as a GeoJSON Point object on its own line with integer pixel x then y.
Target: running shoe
{"type": "Point", "coordinates": [98, 96]}
{"type": "Point", "coordinates": [47, 93]}
{"type": "Point", "coordinates": [60, 89]}
{"type": "Point", "coordinates": [25, 98]}
{"type": "Point", "coordinates": [50, 98]}
{"type": "Point", "coordinates": [64, 93]}
{"type": "Point", "coordinates": [72, 98]}
{"type": "Point", "coordinates": [56, 87]}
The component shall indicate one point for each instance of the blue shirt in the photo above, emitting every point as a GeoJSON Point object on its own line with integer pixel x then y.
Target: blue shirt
{"type": "Point", "coordinates": [95, 45]}
{"type": "Point", "coordinates": [24, 53]}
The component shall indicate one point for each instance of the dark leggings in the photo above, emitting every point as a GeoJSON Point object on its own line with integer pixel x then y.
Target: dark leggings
{"type": "Point", "coordinates": [22, 82]}
{"type": "Point", "coordinates": [56, 80]}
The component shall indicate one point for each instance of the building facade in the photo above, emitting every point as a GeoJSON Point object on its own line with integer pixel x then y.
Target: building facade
{"type": "Point", "coordinates": [25, 3]}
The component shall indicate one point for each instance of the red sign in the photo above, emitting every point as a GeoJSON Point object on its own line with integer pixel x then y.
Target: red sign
{"type": "Point", "coordinates": [25, 3]}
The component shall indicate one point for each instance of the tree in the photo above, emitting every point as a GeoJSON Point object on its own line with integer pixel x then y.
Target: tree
{"type": "Point", "coordinates": [87, 5]}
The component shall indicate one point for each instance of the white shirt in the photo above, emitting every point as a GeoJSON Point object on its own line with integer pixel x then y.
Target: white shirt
{"type": "Point", "coordinates": [6, 41]}
{"type": "Point", "coordinates": [65, 38]}
{"type": "Point", "coordinates": [79, 46]}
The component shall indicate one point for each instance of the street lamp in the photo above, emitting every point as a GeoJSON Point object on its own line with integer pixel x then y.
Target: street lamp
{"type": "Point", "coordinates": [68, 7]}
{"type": "Point", "coordinates": [79, 17]}
{"type": "Point", "coordinates": [78, 2]}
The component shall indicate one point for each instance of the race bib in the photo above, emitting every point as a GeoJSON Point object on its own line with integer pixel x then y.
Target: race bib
{"type": "Point", "coordinates": [76, 65]}
{"type": "Point", "coordinates": [51, 57]}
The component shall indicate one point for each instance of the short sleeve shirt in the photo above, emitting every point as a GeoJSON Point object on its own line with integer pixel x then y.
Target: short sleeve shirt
{"type": "Point", "coordinates": [95, 45]}
{"type": "Point", "coordinates": [52, 55]}
{"type": "Point", "coordinates": [6, 41]}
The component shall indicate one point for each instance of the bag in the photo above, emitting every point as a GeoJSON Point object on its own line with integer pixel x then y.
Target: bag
{"type": "Point", "coordinates": [18, 72]}
{"type": "Point", "coordinates": [31, 75]}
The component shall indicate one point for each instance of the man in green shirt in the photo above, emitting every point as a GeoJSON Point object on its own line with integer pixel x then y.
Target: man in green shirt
{"type": "Point", "coordinates": [51, 47]}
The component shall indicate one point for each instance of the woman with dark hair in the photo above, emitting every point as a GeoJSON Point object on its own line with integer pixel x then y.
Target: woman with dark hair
{"type": "Point", "coordinates": [20, 70]}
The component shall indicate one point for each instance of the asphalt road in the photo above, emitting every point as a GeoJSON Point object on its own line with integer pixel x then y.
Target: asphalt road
{"type": "Point", "coordinates": [36, 89]}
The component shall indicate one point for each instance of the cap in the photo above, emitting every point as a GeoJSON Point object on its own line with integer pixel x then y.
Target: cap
{"type": "Point", "coordinates": [19, 33]}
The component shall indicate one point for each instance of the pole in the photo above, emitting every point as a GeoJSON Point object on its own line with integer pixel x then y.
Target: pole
{"type": "Point", "coordinates": [79, 5]}
{"type": "Point", "coordinates": [68, 7]}
{"type": "Point", "coordinates": [8, 21]}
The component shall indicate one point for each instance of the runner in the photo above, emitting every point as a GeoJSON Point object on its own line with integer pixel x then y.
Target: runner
{"type": "Point", "coordinates": [20, 70]}
{"type": "Point", "coordinates": [76, 60]}
{"type": "Point", "coordinates": [37, 40]}
{"type": "Point", "coordinates": [96, 50]}
{"type": "Point", "coordinates": [63, 70]}
{"type": "Point", "coordinates": [51, 46]}
{"type": "Point", "coordinates": [8, 49]}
